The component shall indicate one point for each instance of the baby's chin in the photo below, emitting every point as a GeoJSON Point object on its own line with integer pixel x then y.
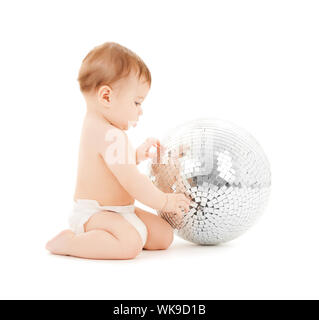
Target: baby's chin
{"type": "Point", "coordinates": [127, 125]}
{"type": "Point", "coordinates": [132, 124]}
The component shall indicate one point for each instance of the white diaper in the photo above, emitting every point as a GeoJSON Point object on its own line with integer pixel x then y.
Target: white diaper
{"type": "Point", "coordinates": [83, 209]}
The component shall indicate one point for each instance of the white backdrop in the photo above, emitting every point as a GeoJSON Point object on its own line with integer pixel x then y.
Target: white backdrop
{"type": "Point", "coordinates": [254, 63]}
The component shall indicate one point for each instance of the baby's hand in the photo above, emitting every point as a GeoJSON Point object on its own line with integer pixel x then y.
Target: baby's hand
{"type": "Point", "coordinates": [143, 151]}
{"type": "Point", "coordinates": [176, 203]}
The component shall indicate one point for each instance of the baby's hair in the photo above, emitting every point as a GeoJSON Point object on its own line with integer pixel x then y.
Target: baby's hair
{"type": "Point", "coordinates": [108, 63]}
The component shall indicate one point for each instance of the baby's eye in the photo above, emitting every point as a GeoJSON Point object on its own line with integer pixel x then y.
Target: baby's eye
{"type": "Point", "coordinates": [137, 103]}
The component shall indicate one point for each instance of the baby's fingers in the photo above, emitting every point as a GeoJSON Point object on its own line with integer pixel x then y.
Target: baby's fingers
{"type": "Point", "coordinates": [179, 214]}
{"type": "Point", "coordinates": [183, 198]}
{"type": "Point", "coordinates": [183, 206]}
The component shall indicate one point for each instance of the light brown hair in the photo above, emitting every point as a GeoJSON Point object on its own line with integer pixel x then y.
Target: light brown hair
{"type": "Point", "coordinates": [108, 63]}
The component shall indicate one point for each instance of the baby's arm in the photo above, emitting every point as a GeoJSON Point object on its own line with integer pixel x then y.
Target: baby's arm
{"type": "Point", "coordinates": [141, 188]}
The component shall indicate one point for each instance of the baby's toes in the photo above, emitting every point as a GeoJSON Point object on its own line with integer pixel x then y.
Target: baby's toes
{"type": "Point", "coordinates": [59, 244]}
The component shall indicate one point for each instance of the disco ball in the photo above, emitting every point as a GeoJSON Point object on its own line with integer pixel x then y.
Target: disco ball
{"type": "Point", "coordinates": [225, 173]}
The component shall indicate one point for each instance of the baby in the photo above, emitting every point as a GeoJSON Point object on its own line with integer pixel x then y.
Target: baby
{"type": "Point", "coordinates": [104, 222]}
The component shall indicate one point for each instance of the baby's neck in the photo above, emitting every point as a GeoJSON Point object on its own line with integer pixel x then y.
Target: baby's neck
{"type": "Point", "coordinates": [92, 109]}
{"type": "Point", "coordinates": [94, 113]}
{"type": "Point", "coordinates": [97, 117]}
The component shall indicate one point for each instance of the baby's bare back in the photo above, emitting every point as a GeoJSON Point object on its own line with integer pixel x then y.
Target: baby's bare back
{"type": "Point", "coordinates": [94, 179]}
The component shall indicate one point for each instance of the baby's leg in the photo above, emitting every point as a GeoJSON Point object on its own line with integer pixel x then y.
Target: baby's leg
{"type": "Point", "coordinates": [160, 233]}
{"type": "Point", "coordinates": [108, 236]}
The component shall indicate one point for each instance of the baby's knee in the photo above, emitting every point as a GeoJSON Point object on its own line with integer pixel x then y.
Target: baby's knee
{"type": "Point", "coordinates": [167, 235]}
{"type": "Point", "coordinates": [167, 239]}
{"type": "Point", "coordinates": [162, 240]}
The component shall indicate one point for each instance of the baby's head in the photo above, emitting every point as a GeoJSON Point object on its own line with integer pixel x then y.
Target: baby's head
{"type": "Point", "coordinates": [115, 81]}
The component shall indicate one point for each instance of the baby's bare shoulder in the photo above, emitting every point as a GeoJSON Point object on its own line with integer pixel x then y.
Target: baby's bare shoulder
{"type": "Point", "coordinates": [112, 134]}
{"type": "Point", "coordinates": [116, 147]}
{"type": "Point", "coordinates": [105, 135]}
{"type": "Point", "coordinates": [100, 129]}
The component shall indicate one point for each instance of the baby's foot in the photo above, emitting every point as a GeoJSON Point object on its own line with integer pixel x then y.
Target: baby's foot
{"type": "Point", "coordinates": [60, 243]}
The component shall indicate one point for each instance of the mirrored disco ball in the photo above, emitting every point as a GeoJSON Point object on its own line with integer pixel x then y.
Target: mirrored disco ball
{"type": "Point", "coordinates": [225, 173]}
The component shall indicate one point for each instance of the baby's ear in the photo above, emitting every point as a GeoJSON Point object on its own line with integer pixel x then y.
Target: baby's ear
{"type": "Point", "coordinates": [104, 94]}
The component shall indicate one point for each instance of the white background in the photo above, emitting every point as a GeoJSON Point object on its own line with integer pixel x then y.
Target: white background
{"type": "Point", "coordinates": [254, 63]}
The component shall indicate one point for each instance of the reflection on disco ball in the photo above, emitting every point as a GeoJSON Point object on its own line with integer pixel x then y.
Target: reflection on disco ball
{"type": "Point", "coordinates": [225, 173]}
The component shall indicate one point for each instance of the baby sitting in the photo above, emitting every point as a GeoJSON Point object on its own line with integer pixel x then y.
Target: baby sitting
{"type": "Point", "coordinates": [104, 223]}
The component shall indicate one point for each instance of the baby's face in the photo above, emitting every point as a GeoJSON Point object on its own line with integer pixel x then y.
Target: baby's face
{"type": "Point", "coordinates": [126, 102]}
